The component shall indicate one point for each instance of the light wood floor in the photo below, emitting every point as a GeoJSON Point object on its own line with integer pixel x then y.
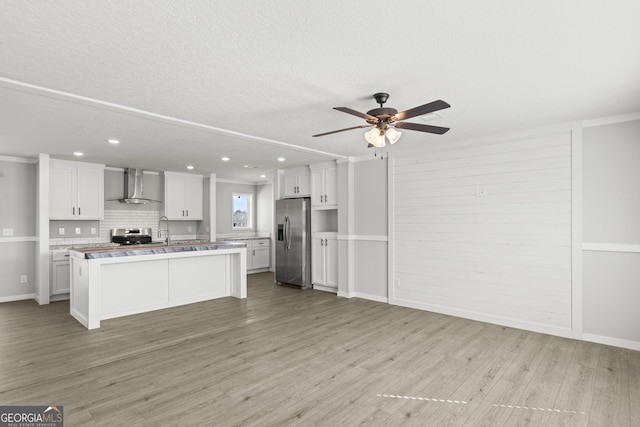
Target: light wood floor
{"type": "Point", "coordinates": [290, 357]}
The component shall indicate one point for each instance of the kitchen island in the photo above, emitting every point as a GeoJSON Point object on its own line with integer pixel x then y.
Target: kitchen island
{"type": "Point", "coordinates": [119, 281]}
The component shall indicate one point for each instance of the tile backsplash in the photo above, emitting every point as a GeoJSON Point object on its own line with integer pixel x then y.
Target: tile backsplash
{"type": "Point", "coordinates": [129, 219]}
{"type": "Point", "coordinates": [119, 219]}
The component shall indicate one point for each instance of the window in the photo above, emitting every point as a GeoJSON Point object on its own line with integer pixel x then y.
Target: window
{"type": "Point", "coordinates": [241, 212]}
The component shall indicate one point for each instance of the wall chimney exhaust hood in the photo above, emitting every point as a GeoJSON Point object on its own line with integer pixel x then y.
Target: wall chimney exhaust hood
{"type": "Point", "coordinates": [133, 187]}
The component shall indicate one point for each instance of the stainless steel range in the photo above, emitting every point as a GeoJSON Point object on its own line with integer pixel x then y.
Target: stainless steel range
{"type": "Point", "coordinates": [131, 236]}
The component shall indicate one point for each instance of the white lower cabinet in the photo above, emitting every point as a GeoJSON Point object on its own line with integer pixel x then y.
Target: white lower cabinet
{"type": "Point", "coordinates": [324, 269]}
{"type": "Point", "coordinates": [60, 272]}
{"type": "Point", "coordinates": [258, 254]}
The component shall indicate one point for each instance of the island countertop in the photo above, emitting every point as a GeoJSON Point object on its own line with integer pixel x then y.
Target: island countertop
{"type": "Point", "coordinates": [152, 249]}
{"type": "Point", "coordinates": [110, 282]}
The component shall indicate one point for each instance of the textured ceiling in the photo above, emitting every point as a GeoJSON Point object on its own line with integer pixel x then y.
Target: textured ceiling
{"type": "Point", "coordinates": [188, 82]}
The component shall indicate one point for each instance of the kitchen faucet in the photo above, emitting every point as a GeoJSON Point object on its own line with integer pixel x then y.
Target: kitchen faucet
{"type": "Point", "coordinates": [164, 230]}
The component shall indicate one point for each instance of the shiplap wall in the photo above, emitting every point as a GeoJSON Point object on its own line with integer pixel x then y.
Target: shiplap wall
{"type": "Point", "coordinates": [504, 257]}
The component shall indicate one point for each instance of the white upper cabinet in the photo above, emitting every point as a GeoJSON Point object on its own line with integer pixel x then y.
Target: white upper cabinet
{"type": "Point", "coordinates": [182, 196]}
{"type": "Point", "coordinates": [296, 185]}
{"type": "Point", "coordinates": [76, 190]}
{"type": "Point", "coordinates": [324, 187]}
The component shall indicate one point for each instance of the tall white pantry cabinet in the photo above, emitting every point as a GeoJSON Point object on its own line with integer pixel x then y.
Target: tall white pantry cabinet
{"type": "Point", "coordinates": [324, 226]}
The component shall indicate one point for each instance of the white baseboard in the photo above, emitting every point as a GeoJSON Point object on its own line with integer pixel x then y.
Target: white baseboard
{"type": "Point", "coordinates": [482, 317]}
{"type": "Point", "coordinates": [615, 342]}
{"type": "Point", "coordinates": [325, 288]}
{"type": "Point", "coordinates": [363, 295]}
{"type": "Point", "coordinates": [371, 297]}
{"type": "Point", "coordinates": [17, 297]}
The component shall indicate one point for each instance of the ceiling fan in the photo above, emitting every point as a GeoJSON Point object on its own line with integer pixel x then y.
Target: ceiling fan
{"type": "Point", "coordinates": [387, 120]}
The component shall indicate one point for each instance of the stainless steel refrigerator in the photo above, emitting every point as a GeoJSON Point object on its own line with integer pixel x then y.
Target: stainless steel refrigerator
{"type": "Point", "coordinates": [293, 243]}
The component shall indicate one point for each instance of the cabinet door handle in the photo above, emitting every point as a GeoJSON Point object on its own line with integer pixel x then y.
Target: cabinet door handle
{"type": "Point", "coordinates": [74, 210]}
{"type": "Point", "coordinates": [325, 198]}
{"type": "Point", "coordinates": [79, 211]}
{"type": "Point", "coordinates": [187, 212]}
{"type": "Point", "coordinates": [326, 243]}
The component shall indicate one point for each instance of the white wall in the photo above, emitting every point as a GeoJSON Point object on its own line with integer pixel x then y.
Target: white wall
{"type": "Point", "coordinates": [504, 257]}
{"type": "Point", "coordinates": [224, 191]}
{"type": "Point", "coordinates": [17, 212]}
{"type": "Point", "coordinates": [611, 229]}
{"type": "Point", "coordinates": [370, 229]}
{"type": "Point", "coordinates": [264, 208]}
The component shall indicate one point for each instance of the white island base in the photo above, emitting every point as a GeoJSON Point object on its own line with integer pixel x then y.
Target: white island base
{"type": "Point", "coordinates": [113, 285]}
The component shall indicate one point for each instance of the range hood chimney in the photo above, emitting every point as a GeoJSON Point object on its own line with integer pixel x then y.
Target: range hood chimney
{"type": "Point", "coordinates": [133, 187]}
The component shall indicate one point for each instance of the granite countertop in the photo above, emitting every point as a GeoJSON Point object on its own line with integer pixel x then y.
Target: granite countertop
{"type": "Point", "coordinates": [232, 239]}
{"type": "Point", "coordinates": [154, 248]}
{"type": "Point", "coordinates": [82, 245]}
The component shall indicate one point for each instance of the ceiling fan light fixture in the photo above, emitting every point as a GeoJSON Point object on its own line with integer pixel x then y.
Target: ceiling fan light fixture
{"type": "Point", "coordinates": [375, 137]}
{"type": "Point", "coordinates": [393, 135]}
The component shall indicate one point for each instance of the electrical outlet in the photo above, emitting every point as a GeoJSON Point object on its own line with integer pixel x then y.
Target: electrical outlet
{"type": "Point", "coordinates": [481, 191]}
{"type": "Point", "coordinates": [23, 278]}
{"type": "Point", "coordinates": [189, 229]}
{"type": "Point", "coordinates": [7, 232]}
{"type": "Point", "coordinates": [61, 231]}
{"type": "Point", "coordinates": [93, 230]}
{"type": "Point", "coordinates": [78, 231]}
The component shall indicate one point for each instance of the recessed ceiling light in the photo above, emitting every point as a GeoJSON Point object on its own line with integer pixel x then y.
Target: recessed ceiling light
{"type": "Point", "coordinates": [281, 159]}
{"type": "Point", "coordinates": [113, 141]}
{"type": "Point", "coordinates": [225, 159]}
{"type": "Point", "coordinates": [78, 153]}
{"type": "Point", "coordinates": [190, 167]}
{"type": "Point", "coordinates": [251, 166]}
{"type": "Point", "coordinates": [263, 176]}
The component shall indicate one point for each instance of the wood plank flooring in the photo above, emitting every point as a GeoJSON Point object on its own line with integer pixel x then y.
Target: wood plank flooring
{"type": "Point", "coordinates": [289, 357]}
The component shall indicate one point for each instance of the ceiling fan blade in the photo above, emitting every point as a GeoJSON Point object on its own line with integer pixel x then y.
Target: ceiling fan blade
{"type": "Point", "coordinates": [423, 109]}
{"type": "Point", "coordinates": [421, 128]}
{"type": "Point", "coordinates": [348, 110]}
{"type": "Point", "coordinates": [342, 130]}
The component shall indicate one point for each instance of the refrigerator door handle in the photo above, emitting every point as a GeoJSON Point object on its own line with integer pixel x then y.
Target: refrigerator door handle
{"type": "Point", "coordinates": [287, 234]}
{"type": "Point", "coordinates": [284, 232]}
